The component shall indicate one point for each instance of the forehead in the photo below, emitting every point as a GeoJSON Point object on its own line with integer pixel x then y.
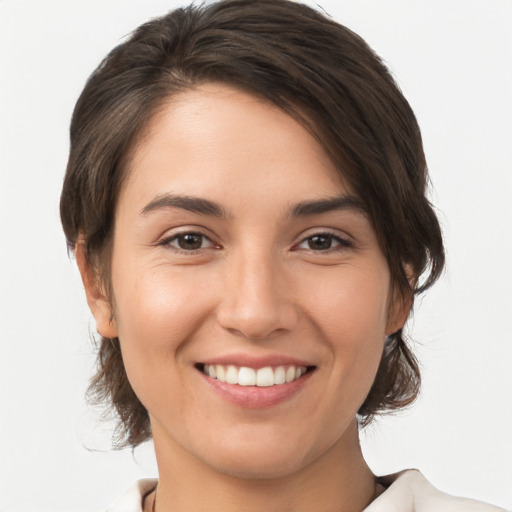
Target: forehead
{"type": "Point", "coordinates": [208, 139]}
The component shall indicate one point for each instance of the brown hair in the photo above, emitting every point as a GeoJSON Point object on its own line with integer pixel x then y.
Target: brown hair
{"type": "Point", "coordinates": [316, 70]}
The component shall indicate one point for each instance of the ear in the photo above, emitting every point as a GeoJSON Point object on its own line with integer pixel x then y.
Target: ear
{"type": "Point", "coordinates": [96, 297]}
{"type": "Point", "coordinates": [398, 312]}
{"type": "Point", "coordinates": [401, 304]}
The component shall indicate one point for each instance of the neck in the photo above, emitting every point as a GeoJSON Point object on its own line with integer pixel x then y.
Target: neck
{"type": "Point", "coordinates": [338, 481]}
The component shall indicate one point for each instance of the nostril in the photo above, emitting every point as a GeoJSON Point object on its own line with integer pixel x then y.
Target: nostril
{"type": "Point", "coordinates": [257, 311]}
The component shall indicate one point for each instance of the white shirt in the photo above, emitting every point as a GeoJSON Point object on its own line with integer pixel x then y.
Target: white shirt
{"type": "Point", "coordinates": [408, 491]}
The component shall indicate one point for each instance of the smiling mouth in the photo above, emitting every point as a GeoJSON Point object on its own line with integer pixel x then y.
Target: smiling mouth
{"type": "Point", "coordinates": [261, 377]}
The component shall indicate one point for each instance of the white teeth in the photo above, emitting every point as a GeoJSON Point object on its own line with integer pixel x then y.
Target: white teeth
{"type": "Point", "coordinates": [265, 377]}
{"type": "Point", "coordinates": [262, 377]}
{"type": "Point", "coordinates": [279, 375]}
{"type": "Point", "coordinates": [232, 375]}
{"type": "Point", "coordinates": [246, 376]}
{"type": "Point", "coordinates": [221, 373]}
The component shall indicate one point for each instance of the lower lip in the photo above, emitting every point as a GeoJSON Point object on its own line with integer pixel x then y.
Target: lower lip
{"type": "Point", "coordinates": [254, 397]}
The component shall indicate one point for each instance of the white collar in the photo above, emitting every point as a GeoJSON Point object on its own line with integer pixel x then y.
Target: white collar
{"type": "Point", "coordinates": [410, 491]}
{"type": "Point", "coordinates": [407, 491]}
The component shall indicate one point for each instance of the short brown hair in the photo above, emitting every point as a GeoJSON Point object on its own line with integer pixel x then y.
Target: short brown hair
{"type": "Point", "coordinates": [316, 70]}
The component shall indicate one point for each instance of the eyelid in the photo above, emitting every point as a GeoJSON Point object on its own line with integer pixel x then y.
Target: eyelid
{"type": "Point", "coordinates": [172, 235]}
{"type": "Point", "coordinates": [344, 240]}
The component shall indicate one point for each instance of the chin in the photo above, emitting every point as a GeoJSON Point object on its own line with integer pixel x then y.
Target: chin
{"type": "Point", "coordinates": [263, 466]}
{"type": "Point", "coordinates": [263, 454]}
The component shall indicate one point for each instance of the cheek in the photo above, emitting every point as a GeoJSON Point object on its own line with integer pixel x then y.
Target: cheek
{"type": "Point", "coordinates": [158, 305]}
{"type": "Point", "coordinates": [352, 313]}
{"type": "Point", "coordinates": [157, 313]}
{"type": "Point", "coordinates": [352, 308]}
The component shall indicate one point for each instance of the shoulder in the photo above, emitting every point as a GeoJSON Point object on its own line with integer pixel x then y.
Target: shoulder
{"type": "Point", "coordinates": [131, 500]}
{"type": "Point", "coordinates": [410, 491]}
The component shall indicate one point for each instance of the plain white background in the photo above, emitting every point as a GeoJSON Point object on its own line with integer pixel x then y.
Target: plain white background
{"type": "Point", "coordinates": [453, 60]}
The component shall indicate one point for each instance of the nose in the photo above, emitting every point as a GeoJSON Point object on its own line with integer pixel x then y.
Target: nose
{"type": "Point", "coordinates": [257, 301]}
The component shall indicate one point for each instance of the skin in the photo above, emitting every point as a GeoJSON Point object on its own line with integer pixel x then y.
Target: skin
{"type": "Point", "coordinates": [259, 285]}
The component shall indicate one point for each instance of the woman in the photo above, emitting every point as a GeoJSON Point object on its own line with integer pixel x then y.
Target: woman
{"type": "Point", "coordinates": [245, 197]}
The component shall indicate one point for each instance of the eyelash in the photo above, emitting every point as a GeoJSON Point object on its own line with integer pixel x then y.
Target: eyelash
{"type": "Point", "coordinates": [341, 243]}
{"type": "Point", "coordinates": [168, 242]}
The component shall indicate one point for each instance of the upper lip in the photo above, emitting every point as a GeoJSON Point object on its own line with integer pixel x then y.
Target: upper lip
{"type": "Point", "coordinates": [250, 361]}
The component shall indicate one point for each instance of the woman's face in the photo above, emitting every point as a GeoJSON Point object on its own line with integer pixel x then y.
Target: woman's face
{"type": "Point", "coordinates": [240, 253]}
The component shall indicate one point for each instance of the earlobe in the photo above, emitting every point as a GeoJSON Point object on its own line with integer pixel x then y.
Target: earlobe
{"type": "Point", "coordinates": [398, 313]}
{"type": "Point", "coordinates": [96, 297]}
{"type": "Point", "coordinates": [402, 301]}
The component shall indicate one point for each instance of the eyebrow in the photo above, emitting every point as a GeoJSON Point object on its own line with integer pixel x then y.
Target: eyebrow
{"type": "Point", "coordinates": [189, 203]}
{"type": "Point", "coordinates": [207, 207]}
{"type": "Point", "coordinates": [319, 206]}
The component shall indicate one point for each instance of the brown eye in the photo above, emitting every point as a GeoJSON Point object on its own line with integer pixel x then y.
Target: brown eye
{"type": "Point", "coordinates": [324, 242]}
{"type": "Point", "coordinates": [320, 242]}
{"type": "Point", "coordinates": [188, 242]}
